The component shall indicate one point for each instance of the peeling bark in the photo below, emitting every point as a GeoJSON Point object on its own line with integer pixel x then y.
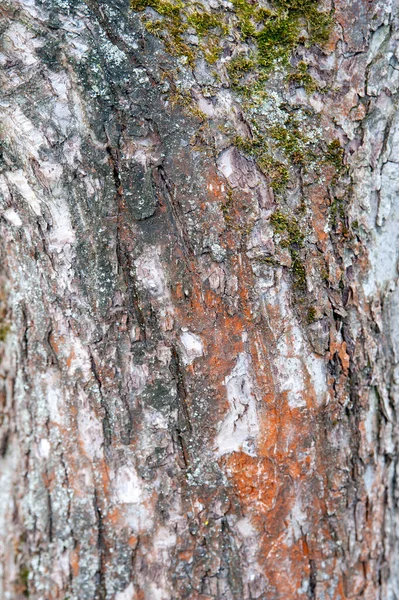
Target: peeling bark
{"type": "Point", "coordinates": [198, 301]}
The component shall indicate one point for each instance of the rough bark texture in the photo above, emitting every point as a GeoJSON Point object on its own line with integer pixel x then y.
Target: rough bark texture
{"type": "Point", "coordinates": [199, 311]}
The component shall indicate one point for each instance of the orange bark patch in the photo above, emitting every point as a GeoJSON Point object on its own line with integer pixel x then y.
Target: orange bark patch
{"type": "Point", "coordinates": [75, 561]}
{"type": "Point", "coordinates": [254, 481]}
{"type": "Point", "coordinates": [344, 357]}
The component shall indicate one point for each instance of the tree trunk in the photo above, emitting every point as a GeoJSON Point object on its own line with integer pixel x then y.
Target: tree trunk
{"type": "Point", "coordinates": [199, 311]}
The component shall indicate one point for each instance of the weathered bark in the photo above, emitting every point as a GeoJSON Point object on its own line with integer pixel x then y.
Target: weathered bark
{"type": "Point", "coordinates": [198, 337]}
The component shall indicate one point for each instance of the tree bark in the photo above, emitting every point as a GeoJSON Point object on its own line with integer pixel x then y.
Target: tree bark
{"type": "Point", "coordinates": [199, 304]}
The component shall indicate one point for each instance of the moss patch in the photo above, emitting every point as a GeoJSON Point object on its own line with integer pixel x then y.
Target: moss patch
{"type": "Point", "coordinates": [302, 78]}
{"type": "Point", "coordinates": [292, 238]}
{"type": "Point", "coordinates": [271, 35]}
{"type": "Point", "coordinates": [23, 581]}
{"type": "Point", "coordinates": [312, 315]}
{"type": "Point", "coordinates": [4, 329]}
{"type": "Point", "coordinates": [203, 22]}
{"type": "Point", "coordinates": [288, 228]}
{"type": "Point", "coordinates": [335, 155]}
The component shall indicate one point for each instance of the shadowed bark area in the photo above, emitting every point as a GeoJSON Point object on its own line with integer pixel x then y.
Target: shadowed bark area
{"type": "Point", "coordinates": [198, 300]}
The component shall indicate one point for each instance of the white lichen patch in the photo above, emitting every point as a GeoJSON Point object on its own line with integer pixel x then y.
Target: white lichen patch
{"type": "Point", "coordinates": [44, 448]}
{"type": "Point", "coordinates": [12, 217]}
{"type": "Point", "coordinates": [245, 527]}
{"type": "Point", "coordinates": [127, 594]}
{"type": "Point", "coordinates": [291, 378]}
{"type": "Point", "coordinates": [296, 523]}
{"type": "Point", "coordinates": [150, 273]}
{"type": "Point", "coordinates": [129, 492]}
{"type": "Point", "coordinates": [60, 106]}
{"type": "Point", "coordinates": [260, 241]}
{"type": "Point", "coordinates": [62, 232]}
{"type": "Point", "coordinates": [127, 486]}
{"type": "Point", "coordinates": [316, 368]}
{"type": "Point", "coordinates": [139, 376]}
{"type": "Point", "coordinates": [22, 133]}
{"type": "Point", "coordinates": [78, 359]}
{"type": "Point", "coordinates": [19, 180]}
{"type": "Point", "coordinates": [300, 373]}
{"type": "Point", "coordinates": [90, 431]}
{"type": "Point", "coordinates": [240, 427]}
{"type": "Point", "coordinates": [389, 192]}
{"type": "Point", "coordinates": [297, 368]}
{"type": "Point", "coordinates": [192, 346]}
{"type": "Point", "coordinates": [54, 398]}
{"type": "Point", "coordinates": [225, 163]}
{"type": "Point", "coordinates": [20, 40]}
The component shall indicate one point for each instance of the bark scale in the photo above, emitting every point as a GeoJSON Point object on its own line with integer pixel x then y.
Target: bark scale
{"type": "Point", "coordinates": [199, 303]}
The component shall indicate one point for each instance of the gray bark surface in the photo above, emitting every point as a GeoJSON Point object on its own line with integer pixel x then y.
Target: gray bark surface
{"type": "Point", "coordinates": [199, 306]}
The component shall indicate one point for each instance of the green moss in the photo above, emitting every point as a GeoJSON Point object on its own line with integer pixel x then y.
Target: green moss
{"type": "Point", "coordinates": [163, 7]}
{"type": "Point", "coordinates": [170, 29]}
{"type": "Point", "coordinates": [177, 47]}
{"type": "Point", "coordinates": [288, 228]}
{"type": "Point", "coordinates": [301, 77]}
{"type": "Point", "coordinates": [291, 238]}
{"type": "Point", "coordinates": [281, 31]}
{"type": "Point", "coordinates": [272, 34]}
{"type": "Point", "coordinates": [289, 140]}
{"type": "Point", "coordinates": [335, 154]}
{"type": "Point", "coordinates": [203, 21]}
{"type": "Point", "coordinates": [267, 260]}
{"type": "Point", "coordinates": [212, 51]}
{"type": "Point", "coordinates": [318, 22]}
{"type": "Point", "coordinates": [298, 270]}
{"type": "Point", "coordinates": [324, 274]}
{"type": "Point", "coordinates": [276, 41]}
{"type": "Point", "coordinates": [251, 146]}
{"type": "Point", "coordinates": [24, 580]}
{"type": "Point", "coordinates": [238, 68]}
{"type": "Point", "coordinates": [154, 27]}
{"type": "Point", "coordinates": [276, 171]}
{"type": "Point", "coordinates": [320, 25]}
{"type": "Point", "coordinates": [245, 13]}
{"type": "Point", "coordinates": [338, 217]}
{"type": "Point", "coordinates": [312, 314]}
{"type": "Point", "coordinates": [226, 206]}
{"type": "Point", "coordinates": [4, 329]}
{"type": "Point", "coordinates": [186, 102]}
{"type": "Point", "coordinates": [257, 148]}
{"type": "Point", "coordinates": [262, 15]}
